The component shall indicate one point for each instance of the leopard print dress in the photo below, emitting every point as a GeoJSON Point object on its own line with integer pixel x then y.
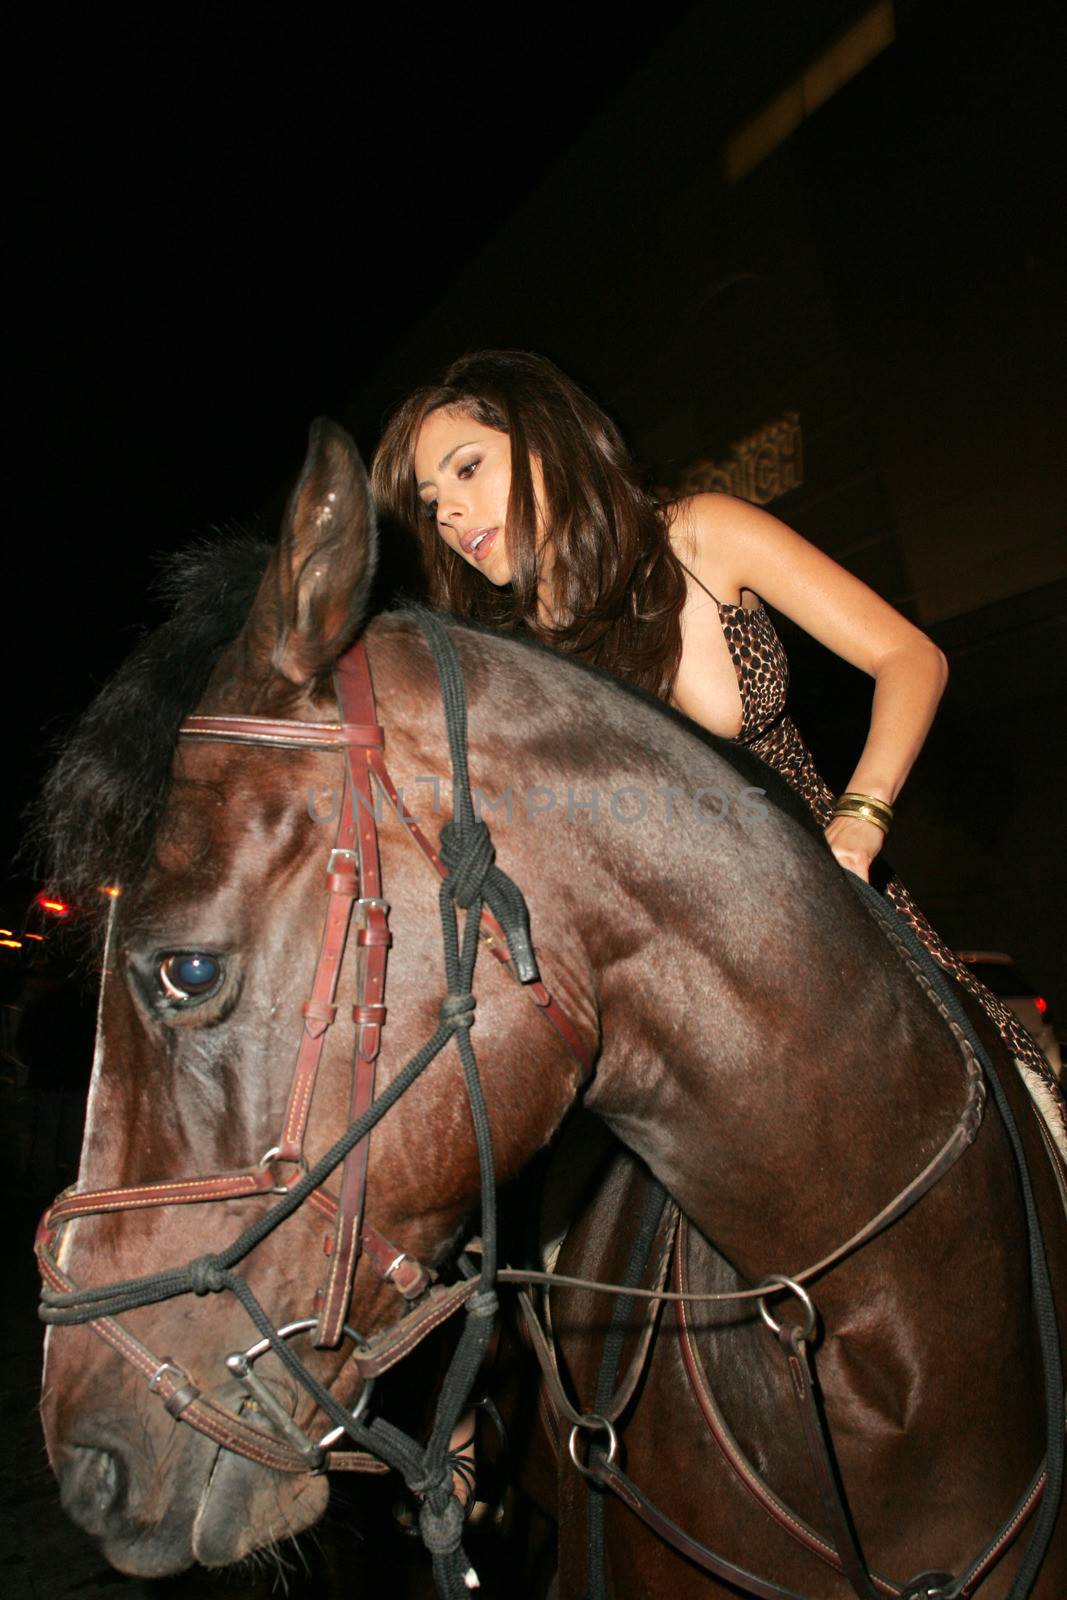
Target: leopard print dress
{"type": "Point", "coordinates": [762, 669]}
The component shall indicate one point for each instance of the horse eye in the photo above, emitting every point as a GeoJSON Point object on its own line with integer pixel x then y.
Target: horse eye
{"type": "Point", "coordinates": [189, 977]}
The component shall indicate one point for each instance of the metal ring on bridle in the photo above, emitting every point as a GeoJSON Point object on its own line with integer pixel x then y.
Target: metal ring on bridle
{"type": "Point", "coordinates": [932, 1586]}
{"type": "Point", "coordinates": [272, 1155]}
{"type": "Point", "coordinates": [593, 1420]}
{"type": "Point", "coordinates": [776, 1282]}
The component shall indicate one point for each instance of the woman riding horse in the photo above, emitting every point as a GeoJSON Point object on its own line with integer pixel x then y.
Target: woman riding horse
{"type": "Point", "coordinates": [529, 514]}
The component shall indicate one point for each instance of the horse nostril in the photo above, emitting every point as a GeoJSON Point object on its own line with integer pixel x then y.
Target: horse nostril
{"type": "Point", "coordinates": [90, 1487]}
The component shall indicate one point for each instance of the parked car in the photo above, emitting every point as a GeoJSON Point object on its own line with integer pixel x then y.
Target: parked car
{"type": "Point", "coordinates": [1000, 974]}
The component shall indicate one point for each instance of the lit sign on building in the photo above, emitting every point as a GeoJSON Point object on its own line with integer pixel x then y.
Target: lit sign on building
{"type": "Point", "coordinates": [760, 468]}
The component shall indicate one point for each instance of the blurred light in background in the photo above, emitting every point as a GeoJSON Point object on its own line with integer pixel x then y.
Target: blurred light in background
{"type": "Point", "coordinates": [58, 908]}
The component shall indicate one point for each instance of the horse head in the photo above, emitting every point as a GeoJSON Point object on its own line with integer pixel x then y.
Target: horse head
{"type": "Point", "coordinates": [226, 1045]}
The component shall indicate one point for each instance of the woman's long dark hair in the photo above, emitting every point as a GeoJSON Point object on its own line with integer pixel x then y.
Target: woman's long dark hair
{"type": "Point", "coordinates": [619, 587]}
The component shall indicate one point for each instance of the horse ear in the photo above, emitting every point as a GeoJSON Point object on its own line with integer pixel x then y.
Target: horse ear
{"type": "Point", "coordinates": [314, 593]}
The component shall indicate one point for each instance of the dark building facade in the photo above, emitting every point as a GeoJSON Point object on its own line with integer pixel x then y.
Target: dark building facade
{"type": "Point", "coordinates": [812, 255]}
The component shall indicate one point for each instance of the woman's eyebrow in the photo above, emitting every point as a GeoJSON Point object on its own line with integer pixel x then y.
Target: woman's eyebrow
{"type": "Point", "coordinates": [427, 483]}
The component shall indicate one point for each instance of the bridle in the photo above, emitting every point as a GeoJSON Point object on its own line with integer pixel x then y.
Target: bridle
{"type": "Point", "coordinates": [496, 917]}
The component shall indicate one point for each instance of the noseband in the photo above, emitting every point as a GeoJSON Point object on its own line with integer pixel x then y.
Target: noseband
{"type": "Point", "coordinates": [496, 917]}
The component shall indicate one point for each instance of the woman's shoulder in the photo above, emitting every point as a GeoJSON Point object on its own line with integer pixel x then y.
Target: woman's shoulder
{"type": "Point", "coordinates": [707, 535]}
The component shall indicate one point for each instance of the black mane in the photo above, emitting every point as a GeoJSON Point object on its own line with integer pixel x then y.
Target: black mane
{"type": "Point", "coordinates": [101, 803]}
{"type": "Point", "coordinates": [96, 820]}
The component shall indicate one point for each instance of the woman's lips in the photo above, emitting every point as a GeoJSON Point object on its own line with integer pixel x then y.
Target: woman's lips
{"type": "Point", "coordinates": [480, 551]}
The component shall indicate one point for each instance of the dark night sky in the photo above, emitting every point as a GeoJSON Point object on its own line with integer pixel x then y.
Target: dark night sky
{"type": "Point", "coordinates": [219, 235]}
{"type": "Point", "coordinates": [210, 250]}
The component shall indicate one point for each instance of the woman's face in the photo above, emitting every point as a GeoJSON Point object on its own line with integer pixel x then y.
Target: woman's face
{"type": "Point", "coordinates": [463, 470]}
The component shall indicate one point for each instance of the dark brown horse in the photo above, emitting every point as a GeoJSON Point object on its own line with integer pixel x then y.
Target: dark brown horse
{"type": "Point", "coordinates": [757, 1042]}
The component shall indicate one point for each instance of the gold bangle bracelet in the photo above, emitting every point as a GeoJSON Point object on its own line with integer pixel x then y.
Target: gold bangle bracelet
{"type": "Point", "coordinates": [866, 809]}
{"type": "Point", "coordinates": [861, 816]}
{"type": "Point", "coordinates": [871, 800]}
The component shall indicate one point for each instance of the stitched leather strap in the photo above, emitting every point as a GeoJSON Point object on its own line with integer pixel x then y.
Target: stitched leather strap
{"type": "Point", "coordinates": [406, 1273]}
{"type": "Point", "coordinates": [803, 1381]}
{"type": "Point", "coordinates": [320, 1009]}
{"type": "Point", "coordinates": [143, 1196]}
{"type": "Point", "coordinates": [283, 733]}
{"type": "Point", "coordinates": [355, 697]}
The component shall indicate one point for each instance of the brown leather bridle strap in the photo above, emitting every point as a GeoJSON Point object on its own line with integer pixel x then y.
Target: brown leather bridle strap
{"type": "Point", "coordinates": [610, 1476]}
{"type": "Point", "coordinates": [850, 1560]}
{"type": "Point", "coordinates": [355, 697]}
{"type": "Point", "coordinates": [283, 733]}
{"type": "Point", "coordinates": [395, 1266]}
{"type": "Point", "coordinates": [143, 1196]}
{"type": "Point", "coordinates": [1007, 1536]}
{"type": "Point", "coordinates": [180, 1395]}
{"type": "Point", "coordinates": [320, 1008]}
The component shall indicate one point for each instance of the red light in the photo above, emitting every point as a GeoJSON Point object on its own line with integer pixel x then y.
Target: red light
{"type": "Point", "coordinates": [1041, 1004]}
{"type": "Point", "coordinates": [58, 908]}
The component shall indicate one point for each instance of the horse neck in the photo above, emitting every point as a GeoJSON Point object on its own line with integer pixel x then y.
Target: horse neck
{"type": "Point", "coordinates": [752, 1015]}
{"type": "Point", "coordinates": [769, 1054]}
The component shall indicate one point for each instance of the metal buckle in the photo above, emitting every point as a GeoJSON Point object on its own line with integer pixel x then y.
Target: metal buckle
{"type": "Point", "coordinates": [241, 1363]}
{"type": "Point", "coordinates": [166, 1366]}
{"type": "Point", "coordinates": [338, 850]}
{"type": "Point", "coordinates": [370, 900]}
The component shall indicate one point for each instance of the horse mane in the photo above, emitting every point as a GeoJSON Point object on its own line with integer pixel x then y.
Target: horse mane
{"type": "Point", "coordinates": [96, 819]}
{"type": "Point", "coordinates": [98, 815]}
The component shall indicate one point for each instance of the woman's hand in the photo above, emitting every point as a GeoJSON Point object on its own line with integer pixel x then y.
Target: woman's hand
{"type": "Point", "coordinates": [855, 844]}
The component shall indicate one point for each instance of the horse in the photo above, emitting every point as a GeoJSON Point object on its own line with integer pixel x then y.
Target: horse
{"type": "Point", "coordinates": [683, 956]}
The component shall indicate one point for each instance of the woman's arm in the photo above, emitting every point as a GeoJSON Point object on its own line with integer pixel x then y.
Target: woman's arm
{"type": "Point", "coordinates": [737, 546]}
